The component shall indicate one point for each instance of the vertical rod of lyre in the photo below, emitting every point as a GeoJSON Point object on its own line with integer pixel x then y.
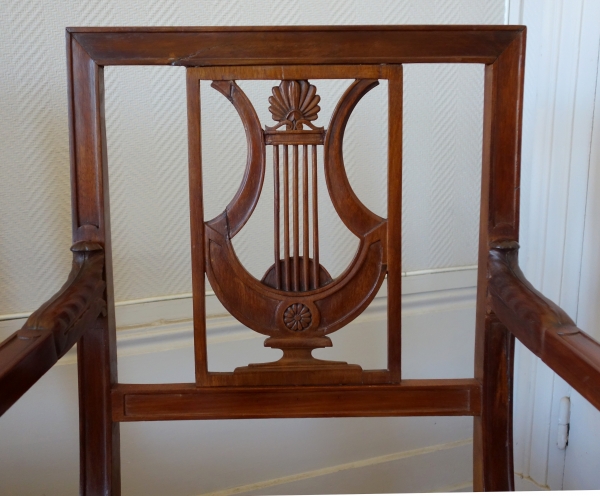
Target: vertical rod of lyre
{"type": "Point", "coordinates": [305, 217]}
{"type": "Point", "coordinates": [276, 215]}
{"type": "Point", "coordinates": [286, 219]}
{"type": "Point", "coordinates": [315, 217]}
{"type": "Point", "coordinates": [296, 221]}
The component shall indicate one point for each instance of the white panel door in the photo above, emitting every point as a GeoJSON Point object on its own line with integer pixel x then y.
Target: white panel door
{"type": "Point", "coordinates": [582, 463]}
{"type": "Point", "coordinates": [559, 112]}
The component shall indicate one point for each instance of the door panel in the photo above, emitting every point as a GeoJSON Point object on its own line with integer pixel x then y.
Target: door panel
{"type": "Point", "coordinates": [558, 220]}
{"type": "Point", "coordinates": [582, 465]}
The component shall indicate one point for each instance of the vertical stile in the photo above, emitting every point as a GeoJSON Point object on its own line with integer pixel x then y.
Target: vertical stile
{"type": "Point", "coordinates": [296, 221]}
{"type": "Point", "coordinates": [315, 219]}
{"type": "Point", "coordinates": [305, 216]}
{"type": "Point", "coordinates": [286, 218]}
{"type": "Point", "coordinates": [276, 215]}
{"type": "Point", "coordinates": [499, 222]}
{"type": "Point", "coordinates": [197, 228]}
{"type": "Point", "coordinates": [97, 348]}
{"type": "Point", "coordinates": [394, 244]}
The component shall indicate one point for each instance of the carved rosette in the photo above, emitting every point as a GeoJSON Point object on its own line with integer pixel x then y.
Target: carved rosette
{"type": "Point", "coordinates": [294, 104]}
{"type": "Point", "coordinates": [297, 317]}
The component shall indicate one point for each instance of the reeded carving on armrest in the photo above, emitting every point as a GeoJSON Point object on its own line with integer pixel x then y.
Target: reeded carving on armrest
{"type": "Point", "coordinates": [541, 325]}
{"type": "Point", "coordinates": [49, 333]}
{"type": "Point", "coordinates": [76, 304]}
{"type": "Point", "coordinates": [526, 308]}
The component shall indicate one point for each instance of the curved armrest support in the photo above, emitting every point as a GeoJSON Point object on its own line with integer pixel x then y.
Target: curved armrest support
{"type": "Point", "coordinates": [541, 325]}
{"type": "Point", "coordinates": [55, 327]}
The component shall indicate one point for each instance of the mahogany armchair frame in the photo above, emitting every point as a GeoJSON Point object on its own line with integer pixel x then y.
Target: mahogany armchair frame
{"type": "Point", "coordinates": [507, 305]}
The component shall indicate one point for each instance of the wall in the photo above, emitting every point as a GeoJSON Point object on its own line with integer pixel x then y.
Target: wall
{"type": "Point", "coordinates": [147, 164]}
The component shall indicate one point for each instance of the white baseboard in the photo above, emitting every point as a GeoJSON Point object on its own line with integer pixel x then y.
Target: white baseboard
{"type": "Point", "coordinates": [524, 483]}
{"type": "Point", "coordinates": [409, 470]}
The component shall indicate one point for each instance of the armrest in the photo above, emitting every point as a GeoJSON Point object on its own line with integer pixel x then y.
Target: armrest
{"type": "Point", "coordinates": [541, 325]}
{"type": "Point", "coordinates": [55, 327]}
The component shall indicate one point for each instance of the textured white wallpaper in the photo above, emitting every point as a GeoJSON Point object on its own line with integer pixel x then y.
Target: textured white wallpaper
{"type": "Point", "coordinates": [148, 151]}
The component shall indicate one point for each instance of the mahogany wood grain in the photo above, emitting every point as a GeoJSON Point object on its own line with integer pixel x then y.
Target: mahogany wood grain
{"type": "Point", "coordinates": [100, 467]}
{"type": "Point", "coordinates": [305, 220]}
{"type": "Point", "coordinates": [96, 351]}
{"type": "Point", "coordinates": [294, 138]}
{"type": "Point", "coordinates": [133, 402]}
{"type": "Point", "coordinates": [499, 219]}
{"type": "Point", "coordinates": [394, 241]}
{"type": "Point", "coordinates": [80, 298]}
{"type": "Point", "coordinates": [315, 219]}
{"type": "Point", "coordinates": [288, 72]}
{"type": "Point", "coordinates": [286, 220]}
{"type": "Point", "coordinates": [542, 326]}
{"type": "Point", "coordinates": [493, 428]}
{"type": "Point", "coordinates": [196, 230]}
{"type": "Point", "coordinates": [55, 327]}
{"type": "Point", "coordinates": [240, 208]}
{"type": "Point", "coordinates": [295, 219]}
{"type": "Point", "coordinates": [214, 46]}
{"type": "Point", "coordinates": [276, 219]}
{"type": "Point", "coordinates": [22, 364]}
{"type": "Point", "coordinates": [353, 213]}
{"type": "Point", "coordinates": [85, 117]}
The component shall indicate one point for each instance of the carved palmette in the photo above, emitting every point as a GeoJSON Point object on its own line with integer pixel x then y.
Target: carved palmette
{"type": "Point", "coordinates": [297, 303]}
{"type": "Point", "coordinates": [294, 104]}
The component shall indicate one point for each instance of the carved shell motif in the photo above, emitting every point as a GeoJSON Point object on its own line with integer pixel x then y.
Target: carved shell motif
{"type": "Point", "coordinates": [294, 104]}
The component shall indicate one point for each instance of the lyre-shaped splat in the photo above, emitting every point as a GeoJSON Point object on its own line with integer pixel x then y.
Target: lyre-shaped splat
{"type": "Point", "coordinates": [297, 303]}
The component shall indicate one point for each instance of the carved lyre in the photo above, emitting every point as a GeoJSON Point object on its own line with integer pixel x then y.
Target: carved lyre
{"type": "Point", "coordinates": [297, 303]}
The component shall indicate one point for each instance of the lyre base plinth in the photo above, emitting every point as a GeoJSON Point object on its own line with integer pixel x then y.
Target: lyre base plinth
{"type": "Point", "coordinates": [298, 367]}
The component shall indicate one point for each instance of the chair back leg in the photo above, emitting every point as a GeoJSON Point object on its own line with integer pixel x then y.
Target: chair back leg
{"type": "Point", "coordinates": [492, 431]}
{"type": "Point", "coordinates": [98, 434]}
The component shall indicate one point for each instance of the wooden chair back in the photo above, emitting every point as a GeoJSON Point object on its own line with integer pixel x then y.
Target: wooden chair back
{"type": "Point", "coordinates": [297, 304]}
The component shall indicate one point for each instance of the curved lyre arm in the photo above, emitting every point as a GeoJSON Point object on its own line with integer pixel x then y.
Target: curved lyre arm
{"type": "Point", "coordinates": [358, 218]}
{"type": "Point", "coordinates": [240, 209]}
